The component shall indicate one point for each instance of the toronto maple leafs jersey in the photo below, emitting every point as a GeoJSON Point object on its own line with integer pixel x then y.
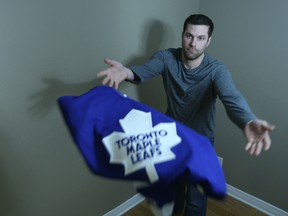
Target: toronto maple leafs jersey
{"type": "Point", "coordinates": [121, 138]}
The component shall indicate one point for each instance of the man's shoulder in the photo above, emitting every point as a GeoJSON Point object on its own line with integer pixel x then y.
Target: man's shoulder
{"type": "Point", "coordinates": [216, 67]}
{"type": "Point", "coordinates": [213, 61]}
{"type": "Point", "coordinates": [171, 53]}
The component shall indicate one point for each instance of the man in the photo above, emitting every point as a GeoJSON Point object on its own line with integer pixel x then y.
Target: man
{"type": "Point", "coordinates": [192, 81]}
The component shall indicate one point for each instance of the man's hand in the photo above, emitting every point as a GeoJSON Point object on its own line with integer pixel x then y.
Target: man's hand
{"type": "Point", "coordinates": [257, 135]}
{"type": "Point", "coordinates": [115, 74]}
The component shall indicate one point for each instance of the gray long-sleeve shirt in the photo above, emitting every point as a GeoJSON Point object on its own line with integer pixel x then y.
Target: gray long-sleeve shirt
{"type": "Point", "coordinates": [192, 93]}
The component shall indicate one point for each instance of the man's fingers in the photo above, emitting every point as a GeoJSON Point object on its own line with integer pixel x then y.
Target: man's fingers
{"type": "Point", "coordinates": [248, 146]}
{"type": "Point", "coordinates": [252, 149]}
{"type": "Point", "coordinates": [101, 74]}
{"type": "Point", "coordinates": [270, 127]}
{"type": "Point", "coordinates": [110, 62]}
{"type": "Point", "coordinates": [116, 85]}
{"type": "Point", "coordinates": [111, 83]}
{"type": "Point", "coordinates": [107, 61]}
{"type": "Point", "coordinates": [258, 148]}
{"type": "Point", "coordinates": [267, 142]}
{"type": "Point", "coordinates": [255, 148]}
{"type": "Point", "coordinates": [106, 80]}
{"type": "Point", "coordinates": [267, 125]}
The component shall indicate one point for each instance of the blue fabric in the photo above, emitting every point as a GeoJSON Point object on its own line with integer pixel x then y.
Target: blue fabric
{"type": "Point", "coordinates": [100, 124]}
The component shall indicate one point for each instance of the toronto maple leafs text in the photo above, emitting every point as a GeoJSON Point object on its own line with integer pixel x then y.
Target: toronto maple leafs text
{"type": "Point", "coordinates": [142, 146]}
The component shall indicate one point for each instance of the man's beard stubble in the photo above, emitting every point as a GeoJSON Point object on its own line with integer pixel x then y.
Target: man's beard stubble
{"type": "Point", "coordinates": [191, 57]}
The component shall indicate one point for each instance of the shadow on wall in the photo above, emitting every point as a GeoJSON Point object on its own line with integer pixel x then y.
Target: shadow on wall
{"type": "Point", "coordinates": [8, 194]}
{"type": "Point", "coordinates": [45, 100]}
{"type": "Point", "coordinates": [154, 38]}
{"type": "Point", "coordinates": [151, 93]}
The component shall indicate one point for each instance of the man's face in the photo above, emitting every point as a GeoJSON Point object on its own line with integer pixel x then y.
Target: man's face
{"type": "Point", "coordinates": [195, 40]}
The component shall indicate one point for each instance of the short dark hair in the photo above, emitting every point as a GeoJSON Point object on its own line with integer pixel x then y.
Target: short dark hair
{"type": "Point", "coordinates": [199, 19]}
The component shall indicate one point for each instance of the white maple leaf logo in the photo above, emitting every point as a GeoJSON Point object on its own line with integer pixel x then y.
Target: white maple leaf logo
{"type": "Point", "coordinates": [141, 145]}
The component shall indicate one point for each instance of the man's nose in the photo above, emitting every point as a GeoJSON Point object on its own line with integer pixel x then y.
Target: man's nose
{"type": "Point", "coordinates": [192, 42]}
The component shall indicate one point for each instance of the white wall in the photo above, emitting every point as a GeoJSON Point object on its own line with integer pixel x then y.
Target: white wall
{"type": "Point", "coordinates": [52, 48]}
{"type": "Point", "coordinates": [251, 38]}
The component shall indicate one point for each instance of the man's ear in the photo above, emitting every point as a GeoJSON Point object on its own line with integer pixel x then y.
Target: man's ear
{"type": "Point", "coordinates": [209, 40]}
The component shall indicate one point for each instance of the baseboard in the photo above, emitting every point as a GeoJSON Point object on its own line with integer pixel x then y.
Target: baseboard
{"type": "Point", "coordinates": [250, 200]}
{"type": "Point", "coordinates": [126, 206]}
{"type": "Point", "coordinates": [255, 202]}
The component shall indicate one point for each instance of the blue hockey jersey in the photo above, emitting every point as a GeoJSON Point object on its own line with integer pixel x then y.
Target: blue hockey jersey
{"type": "Point", "coordinates": [121, 138]}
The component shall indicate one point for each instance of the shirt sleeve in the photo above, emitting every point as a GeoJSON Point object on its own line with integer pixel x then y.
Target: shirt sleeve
{"type": "Point", "coordinates": [235, 104]}
{"type": "Point", "coordinates": [152, 68]}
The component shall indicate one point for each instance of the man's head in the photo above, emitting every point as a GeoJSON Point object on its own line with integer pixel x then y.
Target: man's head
{"type": "Point", "coordinates": [196, 37]}
{"type": "Point", "coordinates": [199, 19]}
